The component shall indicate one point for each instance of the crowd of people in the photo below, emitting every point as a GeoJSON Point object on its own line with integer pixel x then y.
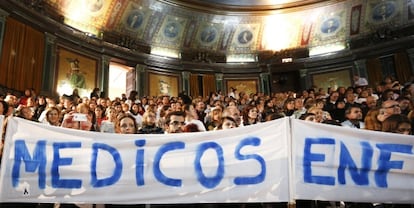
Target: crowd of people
{"type": "Point", "coordinates": [386, 106]}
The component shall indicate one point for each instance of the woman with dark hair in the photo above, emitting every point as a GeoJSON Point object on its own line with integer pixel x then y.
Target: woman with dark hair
{"type": "Point", "coordinates": [397, 123]}
{"type": "Point", "coordinates": [227, 122]}
{"type": "Point", "coordinates": [95, 93]}
{"type": "Point", "coordinates": [289, 106]}
{"type": "Point", "coordinates": [250, 115]}
{"type": "Point", "coordinates": [127, 125]}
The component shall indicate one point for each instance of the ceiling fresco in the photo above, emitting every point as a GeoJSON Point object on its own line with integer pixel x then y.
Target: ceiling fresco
{"type": "Point", "coordinates": [164, 25]}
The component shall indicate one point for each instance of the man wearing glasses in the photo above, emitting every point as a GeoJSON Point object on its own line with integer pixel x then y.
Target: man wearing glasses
{"type": "Point", "coordinates": [390, 107]}
{"type": "Point", "coordinates": [174, 122]}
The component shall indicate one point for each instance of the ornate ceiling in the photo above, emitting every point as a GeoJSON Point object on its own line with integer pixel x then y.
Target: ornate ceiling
{"type": "Point", "coordinates": [220, 30]}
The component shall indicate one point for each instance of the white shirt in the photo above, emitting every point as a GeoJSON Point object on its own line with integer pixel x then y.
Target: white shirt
{"type": "Point", "coordinates": [361, 82]}
{"type": "Point", "coordinates": [197, 122]}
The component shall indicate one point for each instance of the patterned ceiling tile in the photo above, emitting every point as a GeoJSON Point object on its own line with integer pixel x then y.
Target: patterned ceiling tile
{"type": "Point", "coordinates": [331, 25]}
{"type": "Point", "coordinates": [208, 35]}
{"type": "Point", "coordinates": [384, 12]}
{"type": "Point", "coordinates": [245, 38]}
{"type": "Point", "coordinates": [135, 20]}
{"type": "Point", "coordinates": [171, 31]}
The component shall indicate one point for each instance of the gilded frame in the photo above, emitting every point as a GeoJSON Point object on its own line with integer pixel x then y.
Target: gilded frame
{"type": "Point", "coordinates": [75, 70]}
{"type": "Point", "coordinates": [163, 84]}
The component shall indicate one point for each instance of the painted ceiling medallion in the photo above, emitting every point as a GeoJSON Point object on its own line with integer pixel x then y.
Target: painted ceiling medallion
{"type": "Point", "coordinates": [172, 30]}
{"type": "Point", "coordinates": [134, 19]}
{"type": "Point", "coordinates": [209, 34]}
{"type": "Point", "coordinates": [245, 36]}
{"type": "Point", "coordinates": [383, 11]}
{"type": "Point", "coordinates": [330, 25]}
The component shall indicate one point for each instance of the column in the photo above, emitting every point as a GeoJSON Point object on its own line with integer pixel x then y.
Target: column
{"type": "Point", "coordinates": [304, 80]}
{"type": "Point", "coordinates": [49, 66]}
{"type": "Point", "coordinates": [219, 82]}
{"type": "Point", "coordinates": [140, 79]}
{"type": "Point", "coordinates": [264, 83]}
{"type": "Point", "coordinates": [410, 53]}
{"type": "Point", "coordinates": [360, 68]}
{"type": "Point", "coordinates": [3, 16]}
{"type": "Point", "coordinates": [103, 75]}
{"type": "Point", "coordinates": [186, 82]}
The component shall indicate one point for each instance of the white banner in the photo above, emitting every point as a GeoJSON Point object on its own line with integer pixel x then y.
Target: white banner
{"type": "Point", "coordinates": [51, 164]}
{"type": "Point", "coordinates": [342, 164]}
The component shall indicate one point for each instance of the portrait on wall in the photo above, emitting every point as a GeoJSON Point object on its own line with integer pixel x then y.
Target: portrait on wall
{"type": "Point", "coordinates": [355, 19]}
{"type": "Point", "coordinates": [75, 71]}
{"type": "Point", "coordinates": [135, 19]}
{"type": "Point", "coordinates": [160, 84]}
{"type": "Point", "coordinates": [332, 79]}
{"type": "Point", "coordinates": [248, 86]}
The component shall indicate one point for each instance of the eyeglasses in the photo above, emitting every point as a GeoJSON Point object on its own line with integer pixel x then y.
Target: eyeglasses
{"type": "Point", "coordinates": [176, 123]}
{"type": "Point", "coordinates": [393, 106]}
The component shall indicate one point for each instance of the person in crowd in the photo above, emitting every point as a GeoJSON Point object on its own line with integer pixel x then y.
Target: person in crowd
{"type": "Point", "coordinates": [127, 125]}
{"type": "Point", "coordinates": [201, 110]}
{"type": "Point", "coordinates": [319, 116]}
{"type": "Point", "coordinates": [41, 106]}
{"type": "Point", "coordinates": [81, 118]}
{"type": "Point", "coordinates": [118, 108]}
{"type": "Point", "coordinates": [250, 115]}
{"type": "Point", "coordinates": [289, 107]}
{"type": "Point", "coordinates": [372, 120]}
{"type": "Point", "coordinates": [149, 124]}
{"type": "Point", "coordinates": [53, 116]}
{"type": "Point", "coordinates": [67, 103]}
{"type": "Point", "coordinates": [75, 96]}
{"type": "Point", "coordinates": [397, 123]}
{"type": "Point", "coordinates": [390, 107]}
{"type": "Point", "coordinates": [227, 122]}
{"type": "Point", "coordinates": [360, 81]}
{"type": "Point", "coordinates": [308, 117]}
{"type": "Point", "coordinates": [191, 117]}
{"type": "Point", "coordinates": [136, 111]}
{"type": "Point", "coordinates": [174, 122]}
{"type": "Point", "coordinates": [100, 116]}
{"type": "Point", "coordinates": [233, 111]}
{"type": "Point", "coordinates": [95, 93]}
{"type": "Point", "coordinates": [233, 93]}
{"type": "Point", "coordinates": [405, 105]}
{"type": "Point", "coordinates": [214, 118]}
{"type": "Point", "coordinates": [350, 99]}
{"type": "Point", "coordinates": [23, 99]}
{"type": "Point", "coordinates": [125, 107]}
{"type": "Point", "coordinates": [191, 127]}
{"type": "Point", "coordinates": [26, 113]}
{"type": "Point", "coordinates": [299, 107]}
{"type": "Point", "coordinates": [353, 115]}
{"type": "Point", "coordinates": [108, 125]}
{"type": "Point", "coordinates": [132, 98]}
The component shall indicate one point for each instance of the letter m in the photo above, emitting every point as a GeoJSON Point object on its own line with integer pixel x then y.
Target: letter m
{"type": "Point", "coordinates": [32, 163]}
